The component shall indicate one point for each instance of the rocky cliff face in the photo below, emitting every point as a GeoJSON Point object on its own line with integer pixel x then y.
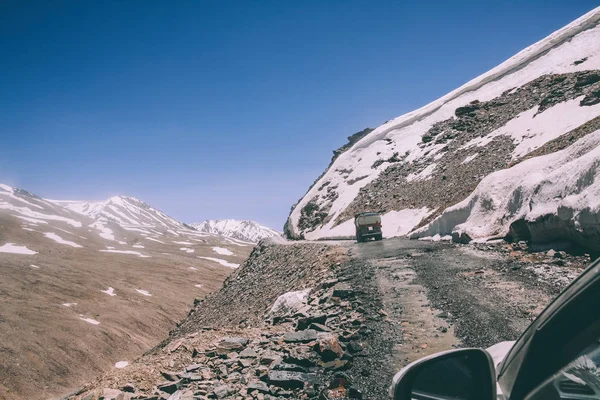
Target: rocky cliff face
{"type": "Point", "coordinates": [541, 101]}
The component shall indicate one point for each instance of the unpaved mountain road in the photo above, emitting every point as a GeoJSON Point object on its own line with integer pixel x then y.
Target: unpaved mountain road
{"type": "Point", "coordinates": [436, 296]}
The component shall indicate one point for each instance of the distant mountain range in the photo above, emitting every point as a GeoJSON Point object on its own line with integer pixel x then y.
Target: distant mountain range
{"type": "Point", "coordinates": [248, 231]}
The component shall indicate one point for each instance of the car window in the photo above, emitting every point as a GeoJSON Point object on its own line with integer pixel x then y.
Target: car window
{"type": "Point", "coordinates": [580, 379]}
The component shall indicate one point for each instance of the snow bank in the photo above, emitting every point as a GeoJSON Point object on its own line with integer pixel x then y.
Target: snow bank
{"type": "Point", "coordinates": [399, 223]}
{"type": "Point", "coordinates": [15, 249]}
{"type": "Point", "coordinates": [556, 196]}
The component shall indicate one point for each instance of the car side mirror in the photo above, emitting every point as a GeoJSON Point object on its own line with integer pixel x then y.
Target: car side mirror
{"type": "Point", "coordinates": [464, 374]}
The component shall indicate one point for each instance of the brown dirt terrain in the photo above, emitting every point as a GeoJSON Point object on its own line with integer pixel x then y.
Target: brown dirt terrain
{"type": "Point", "coordinates": [47, 346]}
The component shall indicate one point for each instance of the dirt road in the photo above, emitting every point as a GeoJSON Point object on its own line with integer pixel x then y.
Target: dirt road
{"type": "Point", "coordinates": [436, 296]}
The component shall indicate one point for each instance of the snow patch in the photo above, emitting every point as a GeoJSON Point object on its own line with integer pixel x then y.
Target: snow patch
{"type": "Point", "coordinates": [222, 262]}
{"type": "Point", "coordinates": [121, 364]}
{"type": "Point", "coordinates": [15, 249]}
{"type": "Point", "coordinates": [58, 239]}
{"type": "Point", "coordinates": [470, 158]}
{"type": "Point", "coordinates": [144, 292]}
{"type": "Point", "coordinates": [222, 251]}
{"type": "Point", "coordinates": [110, 291]}
{"type": "Point", "coordinates": [136, 253]}
{"type": "Point", "coordinates": [187, 250]}
{"type": "Point", "coordinates": [89, 320]}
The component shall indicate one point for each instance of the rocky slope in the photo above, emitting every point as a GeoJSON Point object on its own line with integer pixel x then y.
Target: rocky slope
{"type": "Point", "coordinates": [80, 295]}
{"type": "Point", "coordinates": [543, 100]}
{"type": "Point", "coordinates": [247, 231]}
{"type": "Point", "coordinates": [292, 322]}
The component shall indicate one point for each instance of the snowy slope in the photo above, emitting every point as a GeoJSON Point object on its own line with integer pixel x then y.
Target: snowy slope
{"type": "Point", "coordinates": [543, 199]}
{"type": "Point", "coordinates": [127, 212]}
{"type": "Point", "coordinates": [34, 210]}
{"type": "Point", "coordinates": [248, 231]}
{"type": "Point", "coordinates": [423, 162]}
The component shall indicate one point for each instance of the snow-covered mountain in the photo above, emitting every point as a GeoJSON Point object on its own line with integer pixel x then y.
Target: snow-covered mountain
{"type": "Point", "coordinates": [128, 212]}
{"type": "Point", "coordinates": [481, 159]}
{"type": "Point", "coordinates": [248, 231]}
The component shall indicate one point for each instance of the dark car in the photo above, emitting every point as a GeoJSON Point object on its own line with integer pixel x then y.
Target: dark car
{"type": "Point", "coordinates": [368, 225]}
{"type": "Point", "coordinates": [556, 358]}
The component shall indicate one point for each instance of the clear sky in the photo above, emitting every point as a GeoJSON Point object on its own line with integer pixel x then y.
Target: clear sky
{"type": "Point", "coordinates": [229, 109]}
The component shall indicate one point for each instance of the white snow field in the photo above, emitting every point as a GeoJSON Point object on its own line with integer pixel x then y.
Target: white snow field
{"type": "Point", "coordinates": [220, 261]}
{"type": "Point", "coordinates": [553, 55]}
{"type": "Point", "coordinates": [16, 249]}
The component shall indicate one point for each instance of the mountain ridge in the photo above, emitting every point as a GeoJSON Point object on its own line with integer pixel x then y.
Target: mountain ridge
{"type": "Point", "coordinates": [245, 230]}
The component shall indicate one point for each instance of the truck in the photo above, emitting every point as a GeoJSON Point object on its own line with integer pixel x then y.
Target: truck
{"type": "Point", "coordinates": [368, 225]}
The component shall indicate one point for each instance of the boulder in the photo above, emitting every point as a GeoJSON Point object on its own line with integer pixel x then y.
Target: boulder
{"type": "Point", "coordinates": [328, 347]}
{"type": "Point", "coordinates": [290, 303]}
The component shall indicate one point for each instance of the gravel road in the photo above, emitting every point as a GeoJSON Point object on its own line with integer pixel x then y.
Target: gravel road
{"type": "Point", "coordinates": [436, 296]}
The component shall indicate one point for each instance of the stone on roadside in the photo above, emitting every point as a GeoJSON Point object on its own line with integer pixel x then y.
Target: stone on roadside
{"type": "Point", "coordinates": [228, 345]}
{"type": "Point", "coordinates": [223, 391]}
{"type": "Point", "coordinates": [290, 379]}
{"type": "Point", "coordinates": [300, 337]}
{"type": "Point", "coordinates": [248, 353]}
{"type": "Point", "coordinates": [342, 290]}
{"type": "Point", "coordinates": [112, 394]}
{"type": "Point", "coordinates": [257, 386]}
{"type": "Point", "coordinates": [328, 347]}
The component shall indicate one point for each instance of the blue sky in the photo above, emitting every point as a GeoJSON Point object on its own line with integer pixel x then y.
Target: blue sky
{"type": "Point", "coordinates": [229, 109]}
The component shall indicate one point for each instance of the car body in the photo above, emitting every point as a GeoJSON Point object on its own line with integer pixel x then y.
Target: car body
{"type": "Point", "coordinates": [368, 225]}
{"type": "Point", "coordinates": [556, 358]}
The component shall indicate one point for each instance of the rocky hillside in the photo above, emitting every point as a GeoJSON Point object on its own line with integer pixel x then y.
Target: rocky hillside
{"type": "Point", "coordinates": [81, 295]}
{"type": "Point", "coordinates": [247, 231]}
{"type": "Point", "coordinates": [293, 322]}
{"type": "Point", "coordinates": [543, 101]}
